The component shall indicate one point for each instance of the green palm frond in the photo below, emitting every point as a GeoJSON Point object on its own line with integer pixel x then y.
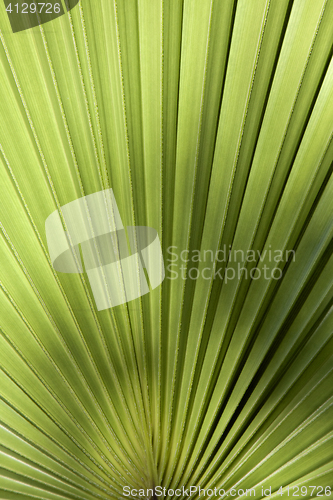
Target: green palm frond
{"type": "Point", "coordinates": [212, 122]}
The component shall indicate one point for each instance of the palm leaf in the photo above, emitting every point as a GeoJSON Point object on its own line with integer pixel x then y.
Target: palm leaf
{"type": "Point", "coordinates": [212, 123]}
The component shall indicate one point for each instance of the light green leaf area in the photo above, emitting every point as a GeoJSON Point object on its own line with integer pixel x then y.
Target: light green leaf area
{"type": "Point", "coordinates": [212, 122]}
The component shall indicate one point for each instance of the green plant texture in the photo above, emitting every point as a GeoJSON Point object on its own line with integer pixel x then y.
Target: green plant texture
{"type": "Point", "coordinates": [212, 122]}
